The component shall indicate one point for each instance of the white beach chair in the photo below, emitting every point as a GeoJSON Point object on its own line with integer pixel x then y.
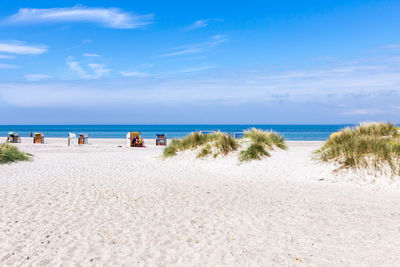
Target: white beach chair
{"type": "Point", "coordinates": [128, 139]}
{"type": "Point", "coordinates": [71, 139]}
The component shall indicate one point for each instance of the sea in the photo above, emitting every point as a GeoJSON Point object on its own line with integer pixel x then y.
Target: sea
{"type": "Point", "coordinates": [290, 132]}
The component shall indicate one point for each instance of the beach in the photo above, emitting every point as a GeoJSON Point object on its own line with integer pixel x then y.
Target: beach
{"type": "Point", "coordinates": [107, 204]}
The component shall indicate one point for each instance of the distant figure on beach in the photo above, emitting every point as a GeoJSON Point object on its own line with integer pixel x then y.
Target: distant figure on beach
{"type": "Point", "coordinates": [134, 141]}
{"type": "Point", "coordinates": [31, 134]}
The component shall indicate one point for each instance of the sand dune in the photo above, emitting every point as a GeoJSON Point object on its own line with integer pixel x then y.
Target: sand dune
{"type": "Point", "coordinates": [102, 204]}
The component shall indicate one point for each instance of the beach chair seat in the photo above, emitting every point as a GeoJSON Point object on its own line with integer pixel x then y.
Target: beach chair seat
{"type": "Point", "coordinates": [130, 136]}
{"type": "Point", "coordinates": [83, 139]}
{"type": "Point", "coordinates": [38, 138]}
{"type": "Point", "coordinates": [161, 140]}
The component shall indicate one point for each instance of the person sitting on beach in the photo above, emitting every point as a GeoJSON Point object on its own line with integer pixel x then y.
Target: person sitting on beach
{"type": "Point", "coordinates": [134, 141]}
{"type": "Point", "coordinates": [138, 142]}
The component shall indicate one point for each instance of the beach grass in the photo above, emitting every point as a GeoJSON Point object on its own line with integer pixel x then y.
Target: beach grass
{"type": "Point", "coordinates": [260, 143]}
{"type": "Point", "coordinates": [369, 145]}
{"type": "Point", "coordinates": [215, 143]}
{"type": "Point", "coordinates": [256, 144]}
{"type": "Point", "coordinates": [9, 153]}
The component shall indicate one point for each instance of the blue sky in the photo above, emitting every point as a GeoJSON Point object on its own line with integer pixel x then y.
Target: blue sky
{"type": "Point", "coordinates": [127, 62]}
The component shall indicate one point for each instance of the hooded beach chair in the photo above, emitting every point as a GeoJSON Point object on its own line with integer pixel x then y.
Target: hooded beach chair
{"type": "Point", "coordinates": [38, 138]}
{"type": "Point", "coordinates": [13, 137]}
{"type": "Point", "coordinates": [71, 139]}
{"type": "Point", "coordinates": [83, 139]}
{"type": "Point", "coordinates": [130, 136]}
{"type": "Point", "coordinates": [161, 140]}
{"type": "Point", "coordinates": [238, 135]}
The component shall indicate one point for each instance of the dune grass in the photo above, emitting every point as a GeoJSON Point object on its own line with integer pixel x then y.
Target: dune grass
{"type": "Point", "coordinates": [256, 142]}
{"type": "Point", "coordinates": [9, 153]}
{"type": "Point", "coordinates": [216, 143]}
{"type": "Point", "coordinates": [260, 143]}
{"type": "Point", "coordinates": [369, 145]}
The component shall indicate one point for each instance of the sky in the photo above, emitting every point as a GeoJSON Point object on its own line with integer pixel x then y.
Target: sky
{"type": "Point", "coordinates": [199, 62]}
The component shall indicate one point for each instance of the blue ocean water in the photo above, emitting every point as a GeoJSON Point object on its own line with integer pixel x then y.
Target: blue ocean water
{"type": "Point", "coordinates": [290, 132]}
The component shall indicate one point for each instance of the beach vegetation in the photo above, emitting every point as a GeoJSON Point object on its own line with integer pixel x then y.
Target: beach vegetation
{"type": "Point", "coordinates": [9, 153]}
{"type": "Point", "coordinates": [205, 151]}
{"type": "Point", "coordinates": [369, 145]}
{"type": "Point", "coordinates": [215, 143]}
{"type": "Point", "coordinates": [261, 142]}
{"type": "Point", "coordinates": [255, 144]}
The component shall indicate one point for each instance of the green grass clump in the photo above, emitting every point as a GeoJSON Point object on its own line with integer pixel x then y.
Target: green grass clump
{"type": "Point", "coordinates": [9, 153]}
{"type": "Point", "coordinates": [367, 145]}
{"type": "Point", "coordinates": [215, 143]}
{"type": "Point", "coordinates": [254, 151]}
{"type": "Point", "coordinates": [205, 151]}
{"type": "Point", "coordinates": [261, 142]}
{"type": "Point", "coordinates": [258, 144]}
{"type": "Point", "coordinates": [225, 143]}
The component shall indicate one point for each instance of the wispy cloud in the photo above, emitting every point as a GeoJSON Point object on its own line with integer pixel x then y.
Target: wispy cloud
{"type": "Point", "coordinates": [363, 111]}
{"type": "Point", "coordinates": [198, 24]}
{"type": "Point", "coordinates": [36, 77]}
{"type": "Point", "coordinates": [390, 46]}
{"type": "Point", "coordinates": [198, 69]}
{"type": "Point", "coordinates": [338, 90]}
{"type": "Point", "coordinates": [21, 49]}
{"type": "Point", "coordinates": [6, 57]}
{"type": "Point", "coordinates": [8, 66]}
{"type": "Point", "coordinates": [90, 55]}
{"type": "Point", "coordinates": [361, 93]}
{"type": "Point", "coordinates": [196, 48]}
{"type": "Point", "coordinates": [133, 74]}
{"type": "Point", "coordinates": [107, 17]}
{"type": "Point", "coordinates": [99, 70]}
{"type": "Point", "coordinates": [95, 71]}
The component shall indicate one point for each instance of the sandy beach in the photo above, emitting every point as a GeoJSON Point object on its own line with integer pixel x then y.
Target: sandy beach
{"type": "Point", "coordinates": [107, 204]}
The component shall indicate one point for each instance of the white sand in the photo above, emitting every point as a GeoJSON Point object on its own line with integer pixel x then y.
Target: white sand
{"type": "Point", "coordinates": [106, 205]}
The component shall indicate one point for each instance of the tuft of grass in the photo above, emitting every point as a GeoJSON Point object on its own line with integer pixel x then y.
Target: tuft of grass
{"type": "Point", "coordinates": [217, 143]}
{"type": "Point", "coordinates": [254, 151]}
{"type": "Point", "coordinates": [369, 145]}
{"type": "Point", "coordinates": [225, 144]}
{"type": "Point", "coordinates": [205, 151]}
{"type": "Point", "coordinates": [9, 153]}
{"type": "Point", "coordinates": [261, 142]}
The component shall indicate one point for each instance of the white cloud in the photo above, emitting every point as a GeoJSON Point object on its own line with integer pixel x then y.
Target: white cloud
{"type": "Point", "coordinates": [95, 71]}
{"type": "Point", "coordinates": [133, 74]}
{"type": "Point", "coordinates": [390, 46]}
{"type": "Point", "coordinates": [90, 55]}
{"type": "Point", "coordinates": [183, 51]}
{"type": "Point", "coordinates": [36, 77]}
{"type": "Point", "coordinates": [98, 70]}
{"type": "Point", "coordinates": [364, 111]}
{"type": "Point", "coordinates": [198, 69]}
{"type": "Point", "coordinates": [338, 89]}
{"type": "Point", "coordinates": [6, 57]}
{"type": "Point", "coordinates": [199, 24]}
{"type": "Point", "coordinates": [21, 49]}
{"type": "Point", "coordinates": [8, 66]}
{"type": "Point", "coordinates": [196, 48]}
{"type": "Point", "coordinates": [108, 17]}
